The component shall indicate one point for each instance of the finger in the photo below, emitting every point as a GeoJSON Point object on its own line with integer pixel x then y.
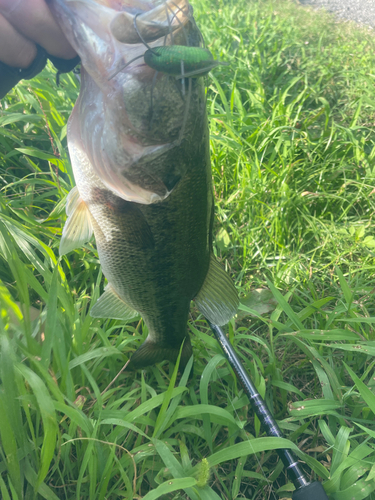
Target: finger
{"type": "Point", "coordinates": [33, 19]}
{"type": "Point", "coordinates": [15, 50]}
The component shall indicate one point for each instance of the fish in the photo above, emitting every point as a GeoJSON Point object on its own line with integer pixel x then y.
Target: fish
{"type": "Point", "coordinates": [139, 148]}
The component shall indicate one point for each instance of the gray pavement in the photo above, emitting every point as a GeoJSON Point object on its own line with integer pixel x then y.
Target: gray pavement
{"type": "Point", "coordinates": [360, 11]}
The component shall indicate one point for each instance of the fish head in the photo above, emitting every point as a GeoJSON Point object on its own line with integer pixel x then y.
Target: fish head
{"type": "Point", "coordinates": [130, 116]}
{"type": "Point", "coordinates": [98, 29]}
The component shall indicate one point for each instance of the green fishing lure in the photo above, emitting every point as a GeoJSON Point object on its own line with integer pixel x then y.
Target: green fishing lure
{"type": "Point", "coordinates": [180, 61]}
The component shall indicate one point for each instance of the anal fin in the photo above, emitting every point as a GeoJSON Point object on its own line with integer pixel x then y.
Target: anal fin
{"type": "Point", "coordinates": [218, 298]}
{"type": "Point", "coordinates": [78, 227]}
{"type": "Point", "coordinates": [110, 305]}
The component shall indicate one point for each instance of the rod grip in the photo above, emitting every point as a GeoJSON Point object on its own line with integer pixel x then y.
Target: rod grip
{"type": "Point", "coordinates": [313, 491]}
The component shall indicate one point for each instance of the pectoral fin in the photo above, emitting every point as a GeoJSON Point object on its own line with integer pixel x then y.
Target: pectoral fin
{"type": "Point", "coordinates": [78, 227]}
{"type": "Point", "coordinates": [217, 299]}
{"type": "Point", "coordinates": [110, 305]}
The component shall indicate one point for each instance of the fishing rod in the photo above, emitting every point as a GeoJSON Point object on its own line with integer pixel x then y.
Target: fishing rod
{"type": "Point", "coordinates": [305, 490]}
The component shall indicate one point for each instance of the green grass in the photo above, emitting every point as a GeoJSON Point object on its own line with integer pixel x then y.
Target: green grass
{"type": "Point", "coordinates": [293, 161]}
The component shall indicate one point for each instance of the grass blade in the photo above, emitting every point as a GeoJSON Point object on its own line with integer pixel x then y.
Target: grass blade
{"type": "Point", "coordinates": [47, 412]}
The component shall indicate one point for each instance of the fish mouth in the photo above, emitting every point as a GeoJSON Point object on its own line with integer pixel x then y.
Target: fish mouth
{"type": "Point", "coordinates": [107, 34]}
{"type": "Point", "coordinates": [151, 25]}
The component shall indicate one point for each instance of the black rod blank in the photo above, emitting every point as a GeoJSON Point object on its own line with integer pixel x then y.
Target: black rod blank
{"type": "Point", "coordinates": [304, 489]}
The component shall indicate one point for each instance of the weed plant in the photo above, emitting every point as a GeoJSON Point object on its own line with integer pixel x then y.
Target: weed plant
{"type": "Point", "coordinates": [293, 161]}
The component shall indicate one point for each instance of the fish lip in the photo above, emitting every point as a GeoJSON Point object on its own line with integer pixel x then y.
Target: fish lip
{"type": "Point", "coordinates": [150, 24]}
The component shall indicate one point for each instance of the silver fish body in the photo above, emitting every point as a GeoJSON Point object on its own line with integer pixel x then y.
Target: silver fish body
{"type": "Point", "coordinates": [140, 155]}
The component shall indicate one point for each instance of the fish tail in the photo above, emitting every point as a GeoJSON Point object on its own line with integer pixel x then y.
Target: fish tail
{"type": "Point", "coordinates": [151, 352]}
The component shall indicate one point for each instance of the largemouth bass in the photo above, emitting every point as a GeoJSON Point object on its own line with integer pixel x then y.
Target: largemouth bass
{"type": "Point", "coordinates": [139, 146]}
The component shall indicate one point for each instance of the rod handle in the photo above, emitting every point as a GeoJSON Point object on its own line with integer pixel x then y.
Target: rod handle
{"type": "Point", "coordinates": [313, 491]}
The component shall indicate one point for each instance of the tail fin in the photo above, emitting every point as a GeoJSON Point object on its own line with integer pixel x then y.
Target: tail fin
{"type": "Point", "coordinates": [150, 353]}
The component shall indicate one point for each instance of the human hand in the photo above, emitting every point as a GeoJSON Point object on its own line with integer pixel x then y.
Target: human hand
{"type": "Point", "coordinates": [23, 25]}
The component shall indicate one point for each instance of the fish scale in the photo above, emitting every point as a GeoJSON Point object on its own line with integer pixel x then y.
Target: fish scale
{"type": "Point", "coordinates": [144, 271]}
